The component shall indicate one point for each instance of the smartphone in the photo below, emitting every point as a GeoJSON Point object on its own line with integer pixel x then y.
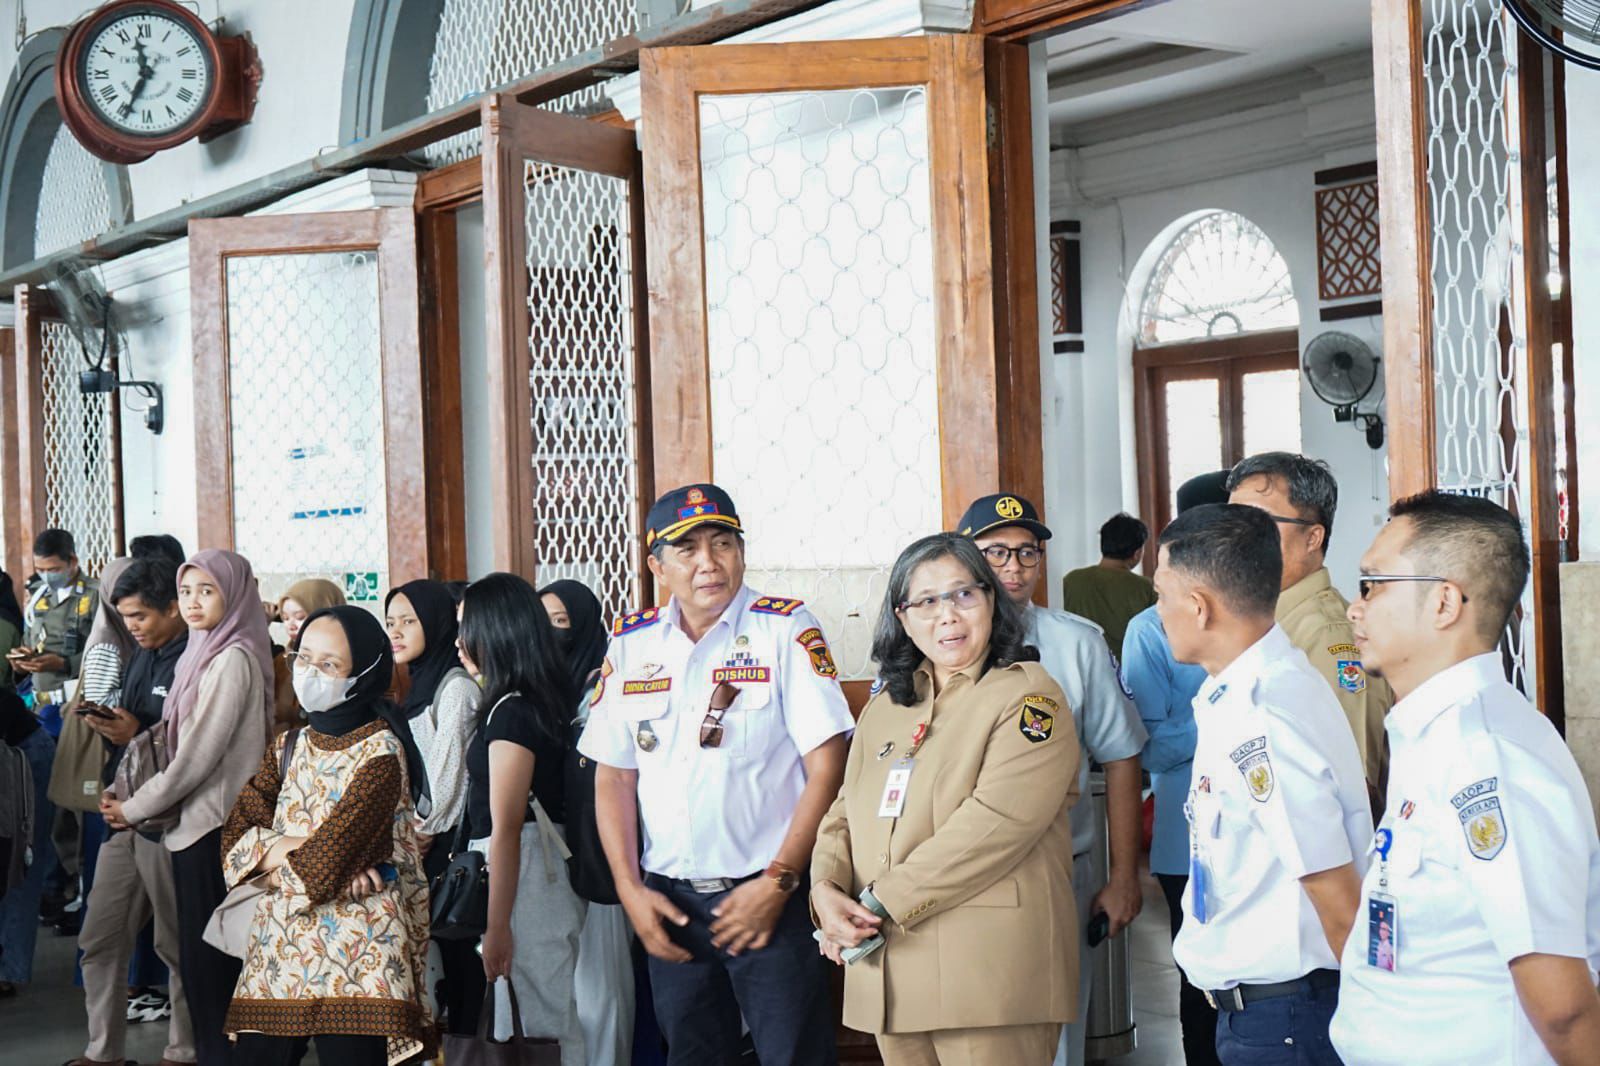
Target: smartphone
{"type": "Point", "coordinates": [1099, 929]}
{"type": "Point", "coordinates": [94, 710]}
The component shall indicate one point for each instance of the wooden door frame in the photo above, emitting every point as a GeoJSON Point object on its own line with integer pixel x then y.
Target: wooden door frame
{"type": "Point", "coordinates": [1227, 358]}
{"type": "Point", "coordinates": [977, 364]}
{"type": "Point", "coordinates": [514, 133]}
{"type": "Point", "coordinates": [389, 233]}
{"type": "Point", "coordinates": [10, 445]}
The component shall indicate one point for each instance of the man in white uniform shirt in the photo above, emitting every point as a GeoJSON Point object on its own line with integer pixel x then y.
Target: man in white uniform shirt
{"type": "Point", "coordinates": [1478, 934]}
{"type": "Point", "coordinates": [720, 729]}
{"type": "Point", "coordinates": [1278, 815]}
{"type": "Point", "coordinates": [1006, 528]}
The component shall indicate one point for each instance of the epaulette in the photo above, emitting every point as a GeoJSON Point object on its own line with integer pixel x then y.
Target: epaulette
{"type": "Point", "coordinates": [774, 605]}
{"type": "Point", "coordinates": [636, 620]}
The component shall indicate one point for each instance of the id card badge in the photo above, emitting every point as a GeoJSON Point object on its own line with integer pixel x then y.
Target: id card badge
{"type": "Point", "coordinates": [893, 802]}
{"type": "Point", "coordinates": [1383, 932]}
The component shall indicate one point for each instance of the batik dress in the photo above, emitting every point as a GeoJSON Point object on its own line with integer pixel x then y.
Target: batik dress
{"type": "Point", "coordinates": [318, 961]}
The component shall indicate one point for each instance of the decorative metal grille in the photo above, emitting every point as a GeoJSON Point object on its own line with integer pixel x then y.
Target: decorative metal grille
{"type": "Point", "coordinates": [74, 203]}
{"type": "Point", "coordinates": [1474, 200]}
{"type": "Point", "coordinates": [1221, 274]}
{"type": "Point", "coordinates": [80, 486]}
{"type": "Point", "coordinates": [581, 348]}
{"type": "Point", "coordinates": [305, 381]}
{"type": "Point", "coordinates": [821, 336]}
{"type": "Point", "coordinates": [1347, 241]}
{"type": "Point", "coordinates": [485, 43]}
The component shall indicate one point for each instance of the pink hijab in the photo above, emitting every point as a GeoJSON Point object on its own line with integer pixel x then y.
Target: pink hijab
{"type": "Point", "coordinates": [243, 624]}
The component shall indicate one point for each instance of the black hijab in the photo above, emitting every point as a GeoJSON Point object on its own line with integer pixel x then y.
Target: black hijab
{"type": "Point", "coordinates": [367, 702]}
{"type": "Point", "coordinates": [371, 664]}
{"type": "Point", "coordinates": [9, 611]}
{"type": "Point", "coordinates": [17, 723]}
{"type": "Point", "coordinates": [585, 643]}
{"type": "Point", "coordinates": [435, 609]}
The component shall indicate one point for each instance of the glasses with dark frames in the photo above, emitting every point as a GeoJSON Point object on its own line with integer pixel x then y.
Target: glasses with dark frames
{"type": "Point", "coordinates": [722, 698]}
{"type": "Point", "coordinates": [1286, 520]}
{"type": "Point", "coordinates": [999, 555]}
{"type": "Point", "coordinates": [1365, 583]}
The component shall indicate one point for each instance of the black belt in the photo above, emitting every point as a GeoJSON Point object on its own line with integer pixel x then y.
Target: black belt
{"type": "Point", "coordinates": [1241, 996]}
{"type": "Point", "coordinates": [704, 886]}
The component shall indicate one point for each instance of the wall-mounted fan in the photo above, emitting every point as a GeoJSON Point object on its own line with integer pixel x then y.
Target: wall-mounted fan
{"type": "Point", "coordinates": [1569, 28]}
{"type": "Point", "coordinates": [1342, 370]}
{"type": "Point", "coordinates": [89, 313]}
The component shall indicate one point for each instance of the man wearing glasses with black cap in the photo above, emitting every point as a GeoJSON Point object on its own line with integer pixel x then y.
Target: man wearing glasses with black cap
{"type": "Point", "coordinates": [1006, 528]}
{"type": "Point", "coordinates": [720, 729]}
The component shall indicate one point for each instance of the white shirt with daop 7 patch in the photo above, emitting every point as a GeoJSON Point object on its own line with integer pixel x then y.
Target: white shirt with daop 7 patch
{"type": "Point", "coordinates": [1493, 855]}
{"type": "Point", "coordinates": [722, 811]}
{"type": "Point", "coordinates": [1277, 793]}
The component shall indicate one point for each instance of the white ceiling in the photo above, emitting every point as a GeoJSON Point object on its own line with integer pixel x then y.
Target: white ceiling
{"type": "Point", "coordinates": [1180, 50]}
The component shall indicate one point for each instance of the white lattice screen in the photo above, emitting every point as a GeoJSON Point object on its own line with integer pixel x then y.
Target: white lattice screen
{"type": "Point", "coordinates": [821, 336]}
{"type": "Point", "coordinates": [1220, 275]}
{"type": "Point", "coordinates": [80, 485]}
{"type": "Point", "coordinates": [485, 43]}
{"type": "Point", "coordinates": [581, 349]}
{"type": "Point", "coordinates": [74, 203]}
{"type": "Point", "coordinates": [305, 380]}
{"type": "Point", "coordinates": [1474, 202]}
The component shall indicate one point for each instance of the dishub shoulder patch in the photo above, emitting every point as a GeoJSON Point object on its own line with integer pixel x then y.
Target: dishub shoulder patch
{"type": "Point", "coordinates": [775, 605]}
{"type": "Point", "coordinates": [636, 620]}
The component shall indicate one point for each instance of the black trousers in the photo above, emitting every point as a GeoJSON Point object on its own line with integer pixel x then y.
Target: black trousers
{"type": "Point", "coordinates": [209, 976]}
{"type": "Point", "coordinates": [258, 1049]}
{"type": "Point", "coordinates": [1196, 1017]}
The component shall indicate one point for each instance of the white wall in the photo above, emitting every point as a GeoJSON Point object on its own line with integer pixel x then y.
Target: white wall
{"type": "Point", "coordinates": [302, 49]}
{"type": "Point", "coordinates": [1087, 397]}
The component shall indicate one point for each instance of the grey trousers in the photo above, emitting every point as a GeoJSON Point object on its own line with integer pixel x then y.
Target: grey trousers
{"type": "Point", "coordinates": [132, 884]}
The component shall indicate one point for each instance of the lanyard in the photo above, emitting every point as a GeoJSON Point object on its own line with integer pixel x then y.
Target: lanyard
{"type": "Point", "coordinates": [1382, 842]}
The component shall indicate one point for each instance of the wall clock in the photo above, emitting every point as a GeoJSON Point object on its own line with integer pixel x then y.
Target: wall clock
{"type": "Point", "coordinates": [135, 77]}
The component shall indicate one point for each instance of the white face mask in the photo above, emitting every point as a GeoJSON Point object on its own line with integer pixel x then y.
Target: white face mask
{"type": "Point", "coordinates": [317, 692]}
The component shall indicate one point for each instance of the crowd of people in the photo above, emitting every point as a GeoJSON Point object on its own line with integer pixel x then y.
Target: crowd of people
{"type": "Point", "coordinates": [654, 842]}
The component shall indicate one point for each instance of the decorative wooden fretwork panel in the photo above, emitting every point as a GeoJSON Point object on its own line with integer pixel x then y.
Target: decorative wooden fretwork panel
{"type": "Point", "coordinates": [1347, 241]}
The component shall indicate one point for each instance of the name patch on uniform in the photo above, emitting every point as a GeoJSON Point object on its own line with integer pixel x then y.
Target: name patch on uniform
{"type": "Point", "coordinates": [636, 620]}
{"type": "Point", "coordinates": [1255, 766]}
{"type": "Point", "coordinates": [1482, 820]}
{"type": "Point", "coordinates": [817, 648]}
{"type": "Point", "coordinates": [1351, 677]}
{"type": "Point", "coordinates": [1038, 718]}
{"type": "Point", "coordinates": [739, 675]}
{"type": "Point", "coordinates": [774, 605]}
{"type": "Point", "coordinates": [644, 688]}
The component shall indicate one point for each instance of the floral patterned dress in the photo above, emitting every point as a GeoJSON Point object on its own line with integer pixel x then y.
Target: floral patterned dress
{"type": "Point", "coordinates": [320, 962]}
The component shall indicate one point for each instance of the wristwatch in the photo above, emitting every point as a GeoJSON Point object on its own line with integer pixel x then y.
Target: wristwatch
{"type": "Point", "coordinates": [784, 877]}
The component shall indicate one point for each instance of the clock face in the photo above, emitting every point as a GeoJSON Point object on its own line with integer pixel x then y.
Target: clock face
{"type": "Point", "coordinates": [146, 73]}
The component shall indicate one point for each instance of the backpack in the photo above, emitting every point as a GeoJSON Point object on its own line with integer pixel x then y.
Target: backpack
{"type": "Point", "coordinates": [16, 817]}
{"type": "Point", "coordinates": [588, 869]}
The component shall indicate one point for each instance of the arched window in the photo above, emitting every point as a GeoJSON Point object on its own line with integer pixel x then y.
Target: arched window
{"type": "Point", "coordinates": [74, 199]}
{"type": "Point", "coordinates": [1220, 275]}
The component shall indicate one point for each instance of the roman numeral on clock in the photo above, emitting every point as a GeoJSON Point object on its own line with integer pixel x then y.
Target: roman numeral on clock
{"type": "Point", "coordinates": [108, 92]}
{"type": "Point", "coordinates": [185, 95]}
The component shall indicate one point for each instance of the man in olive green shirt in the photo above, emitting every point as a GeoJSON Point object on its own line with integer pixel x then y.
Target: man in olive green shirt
{"type": "Point", "coordinates": [1301, 496]}
{"type": "Point", "coordinates": [57, 621]}
{"type": "Point", "coordinates": [1110, 593]}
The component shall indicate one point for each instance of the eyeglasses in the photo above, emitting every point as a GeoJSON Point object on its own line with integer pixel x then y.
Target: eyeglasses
{"type": "Point", "coordinates": [327, 667]}
{"type": "Point", "coordinates": [722, 698]}
{"type": "Point", "coordinates": [1364, 585]}
{"type": "Point", "coordinates": [965, 598]}
{"type": "Point", "coordinates": [999, 555]}
{"type": "Point", "coordinates": [1286, 520]}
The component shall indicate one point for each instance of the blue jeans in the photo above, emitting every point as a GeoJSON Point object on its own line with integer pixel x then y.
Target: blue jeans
{"type": "Point", "coordinates": [781, 990]}
{"type": "Point", "coordinates": [19, 908]}
{"type": "Point", "coordinates": [1286, 1031]}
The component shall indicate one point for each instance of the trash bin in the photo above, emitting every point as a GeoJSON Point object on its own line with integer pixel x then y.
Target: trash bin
{"type": "Point", "coordinates": [1111, 1030]}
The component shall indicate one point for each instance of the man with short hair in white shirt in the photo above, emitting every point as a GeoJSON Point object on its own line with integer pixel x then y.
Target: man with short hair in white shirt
{"type": "Point", "coordinates": [1278, 813]}
{"type": "Point", "coordinates": [1006, 528]}
{"type": "Point", "coordinates": [721, 730]}
{"type": "Point", "coordinates": [1478, 933]}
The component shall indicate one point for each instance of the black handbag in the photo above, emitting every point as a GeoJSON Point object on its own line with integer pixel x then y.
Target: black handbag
{"type": "Point", "coordinates": [459, 896]}
{"type": "Point", "coordinates": [520, 1050]}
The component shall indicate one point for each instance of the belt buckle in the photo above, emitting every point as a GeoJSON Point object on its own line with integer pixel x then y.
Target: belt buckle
{"type": "Point", "coordinates": [709, 886]}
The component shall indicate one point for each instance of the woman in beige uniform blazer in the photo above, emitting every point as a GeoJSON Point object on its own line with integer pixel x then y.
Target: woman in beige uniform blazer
{"type": "Point", "coordinates": [969, 859]}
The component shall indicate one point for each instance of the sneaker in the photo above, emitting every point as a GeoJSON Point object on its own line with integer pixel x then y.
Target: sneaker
{"type": "Point", "coordinates": [149, 1006]}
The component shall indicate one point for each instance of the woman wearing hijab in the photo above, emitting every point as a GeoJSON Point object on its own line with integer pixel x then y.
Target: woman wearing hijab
{"type": "Point", "coordinates": [217, 717]}
{"type": "Point", "coordinates": [516, 802]}
{"type": "Point", "coordinates": [441, 708]}
{"type": "Point", "coordinates": [604, 976]}
{"type": "Point", "coordinates": [336, 954]}
{"type": "Point", "coordinates": [303, 599]}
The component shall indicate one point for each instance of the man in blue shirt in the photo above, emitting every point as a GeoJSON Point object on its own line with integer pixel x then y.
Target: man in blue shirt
{"type": "Point", "coordinates": [1163, 690]}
